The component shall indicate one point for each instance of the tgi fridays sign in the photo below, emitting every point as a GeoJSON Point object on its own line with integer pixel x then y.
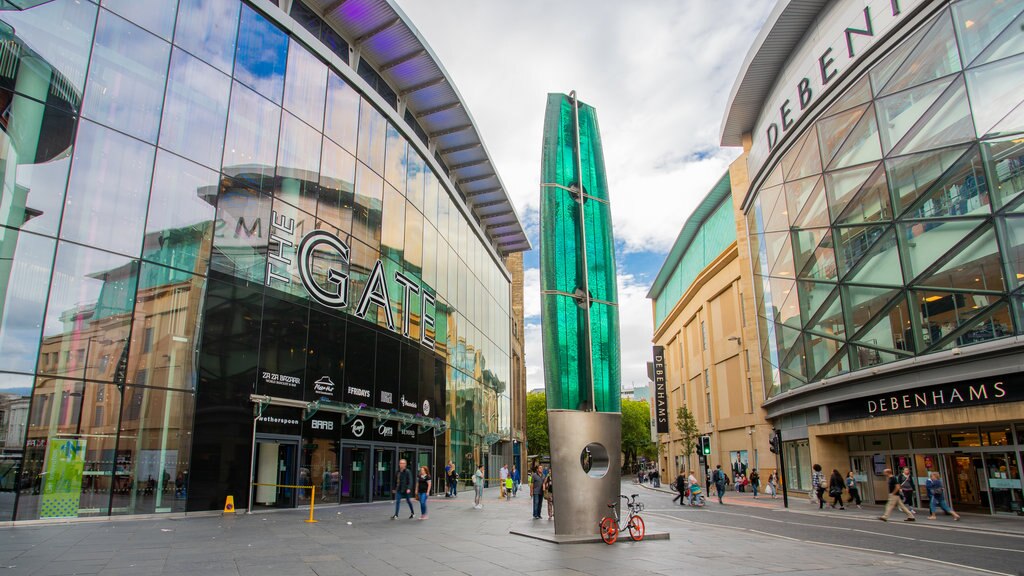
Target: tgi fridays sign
{"type": "Point", "coordinates": [1008, 388]}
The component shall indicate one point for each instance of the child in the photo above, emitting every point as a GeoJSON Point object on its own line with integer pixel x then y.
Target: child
{"type": "Point", "coordinates": [508, 488]}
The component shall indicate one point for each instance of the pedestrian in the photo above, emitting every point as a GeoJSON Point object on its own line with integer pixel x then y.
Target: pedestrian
{"type": "Point", "coordinates": [508, 488]}
{"type": "Point", "coordinates": [549, 494]}
{"type": "Point", "coordinates": [937, 497]}
{"type": "Point", "coordinates": [515, 481]}
{"type": "Point", "coordinates": [448, 479]}
{"type": "Point", "coordinates": [537, 489]}
{"type": "Point", "coordinates": [851, 487]}
{"type": "Point", "coordinates": [755, 482]}
{"type": "Point", "coordinates": [453, 479]}
{"type": "Point", "coordinates": [773, 485]}
{"type": "Point", "coordinates": [403, 488]}
{"type": "Point", "coordinates": [657, 478]}
{"type": "Point", "coordinates": [907, 488]}
{"type": "Point", "coordinates": [478, 486]}
{"type": "Point", "coordinates": [818, 486]}
{"type": "Point", "coordinates": [720, 480]}
{"type": "Point", "coordinates": [681, 488]}
{"type": "Point", "coordinates": [895, 499]}
{"type": "Point", "coordinates": [835, 489]}
{"type": "Point", "coordinates": [694, 489]}
{"type": "Point", "coordinates": [502, 476]}
{"type": "Point", "coordinates": [423, 490]}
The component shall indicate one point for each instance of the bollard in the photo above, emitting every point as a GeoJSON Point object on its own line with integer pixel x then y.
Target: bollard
{"type": "Point", "coordinates": [312, 502]}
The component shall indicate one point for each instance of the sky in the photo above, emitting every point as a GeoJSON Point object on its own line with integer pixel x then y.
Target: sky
{"type": "Point", "coordinates": [659, 74]}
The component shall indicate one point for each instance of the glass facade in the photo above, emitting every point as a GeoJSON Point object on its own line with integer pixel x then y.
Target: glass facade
{"type": "Point", "coordinates": [184, 224]}
{"type": "Point", "coordinates": [889, 229]}
{"type": "Point", "coordinates": [572, 144]}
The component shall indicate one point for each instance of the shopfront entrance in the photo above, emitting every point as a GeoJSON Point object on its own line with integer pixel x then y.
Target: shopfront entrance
{"type": "Point", "coordinates": [355, 476]}
{"type": "Point", "coordinates": [980, 466]}
{"type": "Point", "coordinates": [274, 469]}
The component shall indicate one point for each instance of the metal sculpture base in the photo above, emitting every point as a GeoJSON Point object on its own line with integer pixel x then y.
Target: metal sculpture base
{"type": "Point", "coordinates": [541, 530]}
{"type": "Point", "coordinates": [581, 496]}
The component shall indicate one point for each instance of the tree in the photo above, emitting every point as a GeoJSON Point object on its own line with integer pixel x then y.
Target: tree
{"type": "Point", "coordinates": [636, 432]}
{"type": "Point", "coordinates": [537, 423]}
{"type": "Point", "coordinates": [687, 426]}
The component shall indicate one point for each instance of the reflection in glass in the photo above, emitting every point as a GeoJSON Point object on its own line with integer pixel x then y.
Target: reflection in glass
{"type": "Point", "coordinates": [927, 241]}
{"type": "Point", "coordinates": [24, 280]}
{"type": "Point", "coordinates": [995, 97]}
{"type": "Point", "coordinates": [975, 266]}
{"type": "Point", "coordinates": [250, 150]}
{"type": "Point", "coordinates": [298, 163]}
{"type": "Point", "coordinates": [153, 450]}
{"type": "Point", "coordinates": [342, 118]}
{"type": "Point", "coordinates": [261, 55]}
{"type": "Point", "coordinates": [372, 134]}
{"type": "Point", "coordinates": [108, 191]}
{"type": "Point", "coordinates": [1005, 162]}
{"type": "Point", "coordinates": [394, 171]}
{"type": "Point", "coordinates": [979, 22]}
{"type": "Point", "coordinates": [35, 174]}
{"type": "Point", "coordinates": [392, 238]}
{"type": "Point", "coordinates": [196, 110]}
{"type": "Point", "coordinates": [306, 85]}
{"type": "Point", "coordinates": [89, 313]}
{"type": "Point", "coordinates": [157, 17]}
{"type": "Point", "coordinates": [337, 191]}
{"type": "Point", "coordinates": [126, 78]}
{"type": "Point", "coordinates": [182, 210]}
{"type": "Point", "coordinates": [207, 29]}
{"type": "Point", "coordinates": [366, 222]}
{"type": "Point", "coordinates": [898, 114]}
{"type": "Point", "coordinates": [61, 34]}
{"type": "Point", "coordinates": [240, 240]}
{"type": "Point", "coordinates": [168, 310]}
{"type": "Point", "coordinates": [416, 179]}
{"type": "Point", "coordinates": [413, 239]}
{"type": "Point", "coordinates": [72, 410]}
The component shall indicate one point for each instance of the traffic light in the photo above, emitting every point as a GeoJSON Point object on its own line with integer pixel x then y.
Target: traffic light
{"type": "Point", "coordinates": [705, 445]}
{"type": "Point", "coordinates": [773, 442]}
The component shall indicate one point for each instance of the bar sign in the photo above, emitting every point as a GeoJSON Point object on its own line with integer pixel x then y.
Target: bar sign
{"type": "Point", "coordinates": [660, 394]}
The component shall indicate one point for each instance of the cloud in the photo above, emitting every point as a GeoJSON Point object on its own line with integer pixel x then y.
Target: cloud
{"type": "Point", "coordinates": [635, 328]}
{"type": "Point", "coordinates": [659, 74]}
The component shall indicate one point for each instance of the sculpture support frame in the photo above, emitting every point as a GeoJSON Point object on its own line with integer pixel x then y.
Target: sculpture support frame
{"type": "Point", "coordinates": [581, 499]}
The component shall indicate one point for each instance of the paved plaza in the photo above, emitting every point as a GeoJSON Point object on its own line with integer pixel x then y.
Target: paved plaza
{"type": "Point", "coordinates": [362, 540]}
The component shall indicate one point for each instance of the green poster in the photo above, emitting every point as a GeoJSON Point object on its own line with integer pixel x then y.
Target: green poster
{"type": "Point", "coordinates": [62, 484]}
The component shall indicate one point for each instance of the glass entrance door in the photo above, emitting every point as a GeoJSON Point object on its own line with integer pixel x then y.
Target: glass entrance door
{"type": "Point", "coordinates": [355, 474]}
{"type": "Point", "coordinates": [1004, 482]}
{"type": "Point", "coordinates": [383, 478]}
{"type": "Point", "coordinates": [409, 455]}
{"type": "Point", "coordinates": [424, 458]}
{"type": "Point", "coordinates": [965, 490]}
{"type": "Point", "coordinates": [859, 466]}
{"type": "Point", "coordinates": [275, 469]}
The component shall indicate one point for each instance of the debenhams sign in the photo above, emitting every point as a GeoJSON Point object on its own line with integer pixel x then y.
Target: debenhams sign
{"type": "Point", "coordinates": [955, 395]}
{"type": "Point", "coordinates": [840, 37]}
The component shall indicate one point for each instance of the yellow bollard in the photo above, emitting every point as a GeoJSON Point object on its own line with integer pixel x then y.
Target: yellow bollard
{"type": "Point", "coordinates": [312, 502]}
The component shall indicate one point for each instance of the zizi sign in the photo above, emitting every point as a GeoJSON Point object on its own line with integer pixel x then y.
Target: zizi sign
{"type": "Point", "coordinates": [335, 292]}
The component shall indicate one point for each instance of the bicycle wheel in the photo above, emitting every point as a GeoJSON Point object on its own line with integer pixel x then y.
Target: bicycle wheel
{"type": "Point", "coordinates": [609, 530]}
{"type": "Point", "coordinates": [636, 528]}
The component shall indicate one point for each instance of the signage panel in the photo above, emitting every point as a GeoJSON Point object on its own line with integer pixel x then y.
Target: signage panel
{"type": "Point", "coordinates": [1008, 388]}
{"type": "Point", "coordinates": [62, 488]}
{"type": "Point", "coordinates": [660, 394]}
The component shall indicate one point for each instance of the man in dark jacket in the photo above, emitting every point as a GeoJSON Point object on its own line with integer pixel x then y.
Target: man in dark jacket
{"type": "Point", "coordinates": [907, 488]}
{"type": "Point", "coordinates": [720, 480]}
{"type": "Point", "coordinates": [681, 488]}
{"type": "Point", "coordinates": [403, 488]}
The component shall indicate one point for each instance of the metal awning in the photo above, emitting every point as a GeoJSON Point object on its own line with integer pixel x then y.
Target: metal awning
{"type": "Point", "coordinates": [353, 411]}
{"type": "Point", "coordinates": [383, 36]}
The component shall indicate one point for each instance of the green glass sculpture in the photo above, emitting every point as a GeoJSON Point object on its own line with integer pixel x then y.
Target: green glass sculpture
{"type": "Point", "coordinates": [579, 299]}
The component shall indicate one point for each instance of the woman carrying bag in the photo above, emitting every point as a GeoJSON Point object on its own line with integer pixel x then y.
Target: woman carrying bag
{"type": "Point", "coordinates": [835, 489]}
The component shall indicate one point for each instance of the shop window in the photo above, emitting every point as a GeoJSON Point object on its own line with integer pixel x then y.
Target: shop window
{"type": "Point", "coordinates": [855, 443]}
{"type": "Point", "coordinates": [996, 436]}
{"type": "Point", "coordinates": [922, 439]}
{"type": "Point", "coordinates": [900, 441]}
{"type": "Point", "coordinates": [965, 437]}
{"type": "Point", "coordinates": [876, 442]}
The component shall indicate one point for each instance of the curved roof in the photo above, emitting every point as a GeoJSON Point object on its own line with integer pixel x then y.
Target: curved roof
{"type": "Point", "coordinates": [718, 193]}
{"type": "Point", "coordinates": [780, 35]}
{"type": "Point", "coordinates": [384, 36]}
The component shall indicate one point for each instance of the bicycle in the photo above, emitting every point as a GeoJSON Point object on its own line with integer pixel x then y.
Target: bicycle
{"type": "Point", "coordinates": [612, 525]}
